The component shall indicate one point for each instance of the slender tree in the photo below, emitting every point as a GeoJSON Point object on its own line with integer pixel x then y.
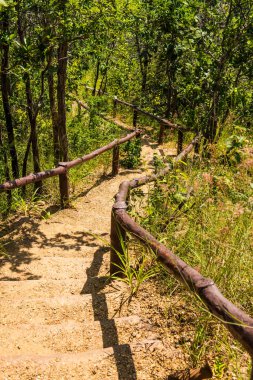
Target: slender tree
{"type": "Point", "coordinates": [5, 87]}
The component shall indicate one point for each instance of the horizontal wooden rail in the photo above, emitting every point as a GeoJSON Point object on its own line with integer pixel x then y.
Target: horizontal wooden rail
{"type": "Point", "coordinates": [65, 166]}
{"type": "Point", "coordinates": [236, 321]}
{"type": "Point", "coordinates": [139, 110]}
{"type": "Point", "coordinates": [136, 110]}
{"type": "Point", "coordinates": [152, 116]}
{"type": "Point", "coordinates": [107, 118]}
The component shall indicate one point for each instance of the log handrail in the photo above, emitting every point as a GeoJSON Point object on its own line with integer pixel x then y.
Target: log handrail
{"type": "Point", "coordinates": [106, 118]}
{"type": "Point", "coordinates": [161, 120]}
{"type": "Point", "coordinates": [236, 321]}
{"type": "Point", "coordinates": [152, 116]}
{"type": "Point", "coordinates": [63, 167]}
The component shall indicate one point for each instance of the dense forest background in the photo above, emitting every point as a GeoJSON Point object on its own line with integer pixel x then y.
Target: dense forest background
{"type": "Point", "coordinates": [189, 61]}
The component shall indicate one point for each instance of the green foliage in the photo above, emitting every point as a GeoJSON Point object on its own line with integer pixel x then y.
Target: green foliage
{"type": "Point", "coordinates": [134, 270]}
{"type": "Point", "coordinates": [131, 154]}
{"type": "Point", "coordinates": [158, 163]}
{"type": "Point", "coordinates": [234, 145]}
{"type": "Point", "coordinates": [28, 205]}
{"type": "Point", "coordinates": [190, 61]}
{"type": "Point", "coordinates": [45, 215]}
{"type": "Point", "coordinates": [87, 133]}
{"type": "Point", "coordinates": [203, 212]}
{"type": "Point", "coordinates": [211, 227]}
{"type": "Point", "coordinates": [98, 104]}
{"type": "Point", "coordinates": [3, 3]}
{"type": "Point", "coordinates": [219, 368]}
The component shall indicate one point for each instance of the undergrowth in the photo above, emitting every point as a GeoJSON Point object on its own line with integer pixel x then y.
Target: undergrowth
{"type": "Point", "coordinates": [86, 133]}
{"type": "Point", "coordinates": [203, 213]}
{"type": "Point", "coordinates": [136, 264]}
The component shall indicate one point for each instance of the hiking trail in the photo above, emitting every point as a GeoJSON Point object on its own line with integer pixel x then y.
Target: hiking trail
{"type": "Point", "coordinates": [61, 318]}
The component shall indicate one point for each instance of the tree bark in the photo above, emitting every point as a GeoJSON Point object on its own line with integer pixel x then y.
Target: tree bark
{"type": "Point", "coordinates": [54, 113]}
{"type": "Point", "coordinates": [143, 62]}
{"type": "Point", "coordinates": [33, 124]}
{"type": "Point", "coordinates": [171, 93]}
{"type": "Point", "coordinates": [96, 78]}
{"type": "Point", "coordinates": [5, 97]}
{"type": "Point", "coordinates": [6, 172]}
{"type": "Point", "coordinates": [31, 111]}
{"type": "Point", "coordinates": [61, 100]}
{"type": "Point", "coordinates": [25, 160]}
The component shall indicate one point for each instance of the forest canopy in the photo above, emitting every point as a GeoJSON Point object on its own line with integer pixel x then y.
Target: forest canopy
{"type": "Point", "coordinates": [187, 60]}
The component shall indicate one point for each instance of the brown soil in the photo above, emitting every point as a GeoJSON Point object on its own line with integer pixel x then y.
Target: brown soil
{"type": "Point", "coordinates": [60, 316]}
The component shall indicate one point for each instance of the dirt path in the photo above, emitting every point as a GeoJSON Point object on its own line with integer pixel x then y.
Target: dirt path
{"type": "Point", "coordinates": [60, 318]}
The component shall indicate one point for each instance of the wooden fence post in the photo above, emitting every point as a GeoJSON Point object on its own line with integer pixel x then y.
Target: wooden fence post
{"type": "Point", "coordinates": [135, 116]}
{"type": "Point", "coordinates": [114, 114]}
{"type": "Point", "coordinates": [161, 134]}
{"type": "Point", "coordinates": [64, 187]}
{"type": "Point", "coordinates": [118, 242]}
{"type": "Point", "coordinates": [196, 148]}
{"type": "Point", "coordinates": [180, 141]}
{"type": "Point", "coordinates": [115, 160]}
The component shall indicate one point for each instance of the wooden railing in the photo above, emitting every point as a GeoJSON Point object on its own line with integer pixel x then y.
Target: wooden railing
{"type": "Point", "coordinates": [236, 321]}
{"type": "Point", "coordinates": [164, 123]}
{"type": "Point", "coordinates": [104, 117]}
{"type": "Point", "coordinates": [63, 168]}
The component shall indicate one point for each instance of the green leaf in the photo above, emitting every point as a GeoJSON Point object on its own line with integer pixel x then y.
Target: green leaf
{"type": "Point", "coordinates": [3, 3]}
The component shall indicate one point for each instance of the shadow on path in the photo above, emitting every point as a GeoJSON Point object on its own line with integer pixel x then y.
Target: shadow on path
{"type": "Point", "coordinates": [94, 285]}
{"type": "Point", "coordinates": [17, 249]}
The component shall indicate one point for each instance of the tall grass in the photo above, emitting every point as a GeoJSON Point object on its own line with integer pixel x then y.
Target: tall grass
{"type": "Point", "coordinates": [203, 212]}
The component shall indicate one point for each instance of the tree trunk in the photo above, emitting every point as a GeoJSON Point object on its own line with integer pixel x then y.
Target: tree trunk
{"type": "Point", "coordinates": [61, 99]}
{"type": "Point", "coordinates": [34, 137]}
{"type": "Point", "coordinates": [54, 117]}
{"type": "Point", "coordinates": [63, 140]}
{"type": "Point", "coordinates": [96, 78]}
{"type": "Point", "coordinates": [169, 100]}
{"type": "Point", "coordinates": [144, 75]}
{"type": "Point", "coordinates": [103, 83]}
{"type": "Point", "coordinates": [143, 56]}
{"type": "Point", "coordinates": [6, 172]}
{"type": "Point", "coordinates": [103, 90]}
{"type": "Point", "coordinates": [5, 97]}
{"type": "Point", "coordinates": [25, 160]}
{"type": "Point", "coordinates": [32, 114]}
{"type": "Point", "coordinates": [212, 123]}
{"type": "Point", "coordinates": [171, 94]}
